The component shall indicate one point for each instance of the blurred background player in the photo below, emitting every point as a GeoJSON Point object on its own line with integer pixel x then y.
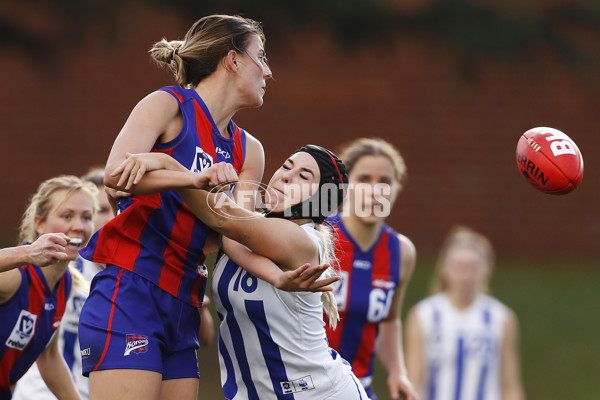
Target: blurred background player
{"type": "Point", "coordinates": [33, 299]}
{"type": "Point", "coordinates": [460, 342]}
{"type": "Point", "coordinates": [31, 386]}
{"type": "Point", "coordinates": [375, 264]}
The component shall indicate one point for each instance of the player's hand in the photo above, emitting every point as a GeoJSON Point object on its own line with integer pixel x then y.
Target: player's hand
{"type": "Point", "coordinates": [48, 249]}
{"type": "Point", "coordinates": [133, 168]}
{"type": "Point", "coordinates": [401, 388]}
{"type": "Point", "coordinates": [218, 174]}
{"type": "Point", "coordinates": [304, 279]}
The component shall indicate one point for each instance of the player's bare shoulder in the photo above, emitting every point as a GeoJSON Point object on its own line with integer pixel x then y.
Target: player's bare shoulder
{"type": "Point", "coordinates": [254, 162]}
{"type": "Point", "coordinates": [408, 253]}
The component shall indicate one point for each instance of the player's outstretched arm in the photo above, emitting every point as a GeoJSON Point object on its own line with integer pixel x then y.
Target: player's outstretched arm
{"type": "Point", "coordinates": [47, 249]}
{"type": "Point", "coordinates": [56, 373]}
{"type": "Point", "coordinates": [510, 374]}
{"type": "Point", "coordinates": [302, 279]}
{"type": "Point", "coordinates": [131, 174]}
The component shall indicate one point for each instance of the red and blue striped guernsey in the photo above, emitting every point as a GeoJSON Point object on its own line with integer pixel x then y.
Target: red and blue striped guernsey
{"type": "Point", "coordinates": [157, 236]}
{"type": "Point", "coordinates": [364, 294]}
{"type": "Point", "coordinates": [29, 320]}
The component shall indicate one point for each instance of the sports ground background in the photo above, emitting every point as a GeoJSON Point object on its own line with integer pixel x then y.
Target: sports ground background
{"type": "Point", "coordinates": [451, 83]}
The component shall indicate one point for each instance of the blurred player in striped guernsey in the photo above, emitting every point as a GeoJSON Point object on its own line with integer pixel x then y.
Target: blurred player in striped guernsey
{"type": "Point", "coordinates": [139, 326]}
{"type": "Point", "coordinates": [33, 299]}
{"type": "Point", "coordinates": [461, 344]}
{"type": "Point", "coordinates": [375, 264]}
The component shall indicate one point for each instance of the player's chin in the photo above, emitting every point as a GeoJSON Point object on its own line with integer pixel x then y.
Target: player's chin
{"type": "Point", "coordinates": [259, 102]}
{"type": "Point", "coordinates": [72, 251]}
{"type": "Point", "coordinates": [370, 219]}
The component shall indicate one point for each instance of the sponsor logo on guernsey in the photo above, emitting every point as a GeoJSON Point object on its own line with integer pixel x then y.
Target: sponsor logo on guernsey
{"type": "Point", "coordinates": [86, 352]}
{"type": "Point", "coordinates": [49, 306]}
{"type": "Point", "coordinates": [383, 284]}
{"type": "Point", "coordinates": [297, 385]}
{"type": "Point", "coordinates": [362, 264]}
{"type": "Point", "coordinates": [222, 152]}
{"type": "Point", "coordinates": [136, 344]}
{"type": "Point", "coordinates": [202, 160]}
{"type": "Point", "coordinates": [22, 331]}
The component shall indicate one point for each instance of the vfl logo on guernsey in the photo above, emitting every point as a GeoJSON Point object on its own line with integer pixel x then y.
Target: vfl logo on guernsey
{"type": "Point", "coordinates": [297, 385]}
{"type": "Point", "coordinates": [202, 160]}
{"type": "Point", "coordinates": [362, 264]}
{"type": "Point", "coordinates": [23, 331]}
{"type": "Point", "coordinates": [136, 344]}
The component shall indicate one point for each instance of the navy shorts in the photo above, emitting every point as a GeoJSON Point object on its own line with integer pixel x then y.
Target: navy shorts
{"type": "Point", "coordinates": [127, 322]}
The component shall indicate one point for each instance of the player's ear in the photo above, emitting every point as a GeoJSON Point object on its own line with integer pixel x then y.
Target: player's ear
{"type": "Point", "coordinates": [231, 61]}
{"type": "Point", "coordinates": [37, 221]}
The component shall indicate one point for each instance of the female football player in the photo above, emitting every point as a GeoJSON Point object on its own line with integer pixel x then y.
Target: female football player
{"type": "Point", "coordinates": [462, 343]}
{"type": "Point", "coordinates": [376, 264]}
{"type": "Point", "coordinates": [139, 327]}
{"type": "Point", "coordinates": [33, 299]}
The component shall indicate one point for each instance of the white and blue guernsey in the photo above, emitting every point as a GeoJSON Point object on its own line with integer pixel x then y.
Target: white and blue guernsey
{"type": "Point", "coordinates": [462, 348]}
{"type": "Point", "coordinates": [272, 344]}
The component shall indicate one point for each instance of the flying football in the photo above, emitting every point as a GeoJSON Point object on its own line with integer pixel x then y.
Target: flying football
{"type": "Point", "coordinates": [549, 160]}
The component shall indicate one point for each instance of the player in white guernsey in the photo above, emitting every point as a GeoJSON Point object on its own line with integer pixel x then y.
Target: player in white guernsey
{"type": "Point", "coordinates": [461, 344]}
{"type": "Point", "coordinates": [272, 344]}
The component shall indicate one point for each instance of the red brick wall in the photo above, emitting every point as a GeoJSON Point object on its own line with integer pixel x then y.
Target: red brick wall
{"type": "Point", "coordinates": [457, 133]}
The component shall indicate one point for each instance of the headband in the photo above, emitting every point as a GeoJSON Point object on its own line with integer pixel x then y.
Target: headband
{"type": "Point", "coordinates": [331, 191]}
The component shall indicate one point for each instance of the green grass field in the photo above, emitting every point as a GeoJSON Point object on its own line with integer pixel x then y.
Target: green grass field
{"type": "Point", "coordinates": [556, 305]}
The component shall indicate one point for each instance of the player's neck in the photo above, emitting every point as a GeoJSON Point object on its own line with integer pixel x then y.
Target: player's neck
{"type": "Point", "coordinates": [214, 94]}
{"type": "Point", "coordinates": [461, 301]}
{"type": "Point", "coordinates": [53, 273]}
{"type": "Point", "coordinates": [363, 234]}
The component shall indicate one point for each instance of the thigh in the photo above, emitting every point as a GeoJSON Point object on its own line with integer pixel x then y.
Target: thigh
{"type": "Point", "coordinates": [125, 384]}
{"type": "Point", "coordinates": [180, 389]}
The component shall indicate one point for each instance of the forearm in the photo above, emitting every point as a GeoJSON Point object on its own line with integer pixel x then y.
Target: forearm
{"type": "Point", "coordinates": [58, 378]}
{"type": "Point", "coordinates": [514, 392]}
{"type": "Point", "coordinates": [158, 181]}
{"type": "Point", "coordinates": [389, 347]}
{"type": "Point", "coordinates": [257, 265]}
{"type": "Point", "coordinates": [207, 327]}
{"type": "Point", "coordinates": [13, 257]}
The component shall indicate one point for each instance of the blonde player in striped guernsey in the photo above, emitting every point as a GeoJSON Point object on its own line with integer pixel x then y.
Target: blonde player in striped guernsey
{"type": "Point", "coordinates": [461, 344]}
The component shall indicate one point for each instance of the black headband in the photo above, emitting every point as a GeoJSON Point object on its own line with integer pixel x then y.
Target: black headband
{"type": "Point", "coordinates": [328, 198]}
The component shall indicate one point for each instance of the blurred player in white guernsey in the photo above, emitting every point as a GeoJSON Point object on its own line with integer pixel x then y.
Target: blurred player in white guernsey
{"type": "Point", "coordinates": [461, 344]}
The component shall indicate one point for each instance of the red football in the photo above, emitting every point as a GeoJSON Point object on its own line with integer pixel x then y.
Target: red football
{"type": "Point", "coordinates": [549, 160]}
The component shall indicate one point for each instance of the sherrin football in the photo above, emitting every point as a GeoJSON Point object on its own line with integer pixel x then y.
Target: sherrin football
{"type": "Point", "coordinates": [549, 160]}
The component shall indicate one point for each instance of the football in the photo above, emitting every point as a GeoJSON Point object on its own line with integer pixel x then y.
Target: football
{"type": "Point", "coordinates": [549, 160]}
